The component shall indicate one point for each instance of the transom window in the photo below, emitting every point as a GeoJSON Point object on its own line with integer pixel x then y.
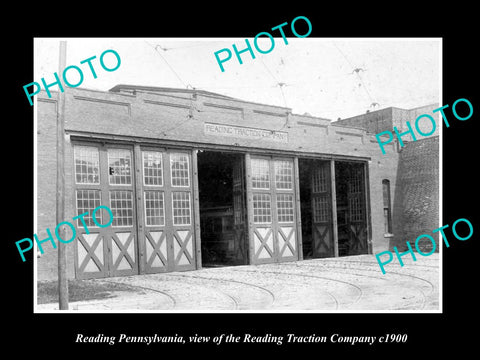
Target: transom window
{"type": "Point", "coordinates": [87, 168]}
{"type": "Point", "coordinates": [152, 168]}
{"type": "Point", "coordinates": [179, 167]}
{"type": "Point", "coordinates": [319, 180]}
{"type": "Point", "coordinates": [260, 174]}
{"type": "Point", "coordinates": [119, 166]}
{"type": "Point", "coordinates": [283, 174]}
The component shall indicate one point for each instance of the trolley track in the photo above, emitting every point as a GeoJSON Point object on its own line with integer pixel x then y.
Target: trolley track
{"type": "Point", "coordinates": [357, 288]}
{"type": "Point", "coordinates": [330, 284]}
{"type": "Point", "coordinates": [328, 260]}
{"type": "Point", "coordinates": [271, 294]}
{"type": "Point", "coordinates": [424, 297]}
{"type": "Point", "coordinates": [232, 298]}
{"type": "Point", "coordinates": [430, 284]}
{"type": "Point", "coordinates": [172, 299]}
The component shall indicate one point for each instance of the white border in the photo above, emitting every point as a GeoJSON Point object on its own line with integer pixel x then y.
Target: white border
{"type": "Point", "coordinates": [440, 310]}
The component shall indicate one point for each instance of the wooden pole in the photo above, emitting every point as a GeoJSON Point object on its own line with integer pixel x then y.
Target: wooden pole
{"type": "Point", "coordinates": [334, 207]}
{"type": "Point", "coordinates": [60, 198]}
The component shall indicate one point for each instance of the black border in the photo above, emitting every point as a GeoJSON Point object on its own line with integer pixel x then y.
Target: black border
{"type": "Point", "coordinates": [427, 333]}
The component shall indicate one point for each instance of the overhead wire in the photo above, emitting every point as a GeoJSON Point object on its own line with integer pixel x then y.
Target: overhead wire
{"type": "Point", "coordinates": [190, 115]}
{"type": "Point", "coordinates": [280, 85]}
{"type": "Point", "coordinates": [356, 71]}
{"type": "Point", "coordinates": [166, 62]}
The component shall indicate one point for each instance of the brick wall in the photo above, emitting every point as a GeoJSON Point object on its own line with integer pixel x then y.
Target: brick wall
{"type": "Point", "coordinates": [373, 121]}
{"type": "Point", "coordinates": [165, 119]}
{"type": "Point", "coordinates": [416, 209]}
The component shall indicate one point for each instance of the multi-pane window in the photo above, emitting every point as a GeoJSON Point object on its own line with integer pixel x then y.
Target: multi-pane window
{"type": "Point", "coordinates": [261, 209]}
{"type": "Point", "coordinates": [260, 174]}
{"type": "Point", "coordinates": [356, 193]}
{"type": "Point", "coordinates": [319, 183]}
{"type": "Point", "coordinates": [181, 207]}
{"type": "Point", "coordinates": [154, 208]}
{"type": "Point", "coordinates": [179, 169]}
{"type": "Point", "coordinates": [121, 204]}
{"type": "Point", "coordinates": [152, 168]}
{"type": "Point", "coordinates": [356, 208]}
{"type": "Point", "coordinates": [283, 174]}
{"type": "Point", "coordinates": [387, 211]}
{"type": "Point", "coordinates": [87, 168]}
{"type": "Point", "coordinates": [356, 181]}
{"type": "Point", "coordinates": [87, 201]}
{"type": "Point", "coordinates": [120, 166]}
{"type": "Point", "coordinates": [320, 209]}
{"type": "Point", "coordinates": [285, 207]}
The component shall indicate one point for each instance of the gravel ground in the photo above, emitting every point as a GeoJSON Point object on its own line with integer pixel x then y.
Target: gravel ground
{"type": "Point", "coordinates": [346, 284]}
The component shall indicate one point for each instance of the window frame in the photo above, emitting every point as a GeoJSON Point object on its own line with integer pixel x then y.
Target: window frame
{"type": "Point", "coordinates": [387, 207]}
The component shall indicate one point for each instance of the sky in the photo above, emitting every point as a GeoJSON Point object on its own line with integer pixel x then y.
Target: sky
{"type": "Point", "coordinates": [325, 77]}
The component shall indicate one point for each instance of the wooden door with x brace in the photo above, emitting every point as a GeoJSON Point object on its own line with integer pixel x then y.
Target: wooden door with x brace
{"type": "Point", "coordinates": [272, 205]}
{"type": "Point", "coordinates": [103, 175]}
{"type": "Point", "coordinates": [149, 192]}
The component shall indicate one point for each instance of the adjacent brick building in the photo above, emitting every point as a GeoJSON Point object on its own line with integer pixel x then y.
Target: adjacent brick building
{"type": "Point", "coordinates": [196, 179]}
{"type": "Point", "coordinates": [416, 205]}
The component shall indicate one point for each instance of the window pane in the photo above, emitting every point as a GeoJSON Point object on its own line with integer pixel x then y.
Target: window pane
{"type": "Point", "coordinates": [181, 208]}
{"type": "Point", "coordinates": [86, 165]}
{"type": "Point", "coordinates": [319, 180]}
{"type": "Point", "coordinates": [120, 167]}
{"type": "Point", "coordinates": [285, 207]}
{"type": "Point", "coordinates": [152, 168]}
{"type": "Point", "coordinates": [121, 204]}
{"type": "Point", "coordinates": [321, 209]}
{"type": "Point", "coordinates": [356, 209]}
{"type": "Point", "coordinates": [179, 169]}
{"type": "Point", "coordinates": [260, 174]}
{"type": "Point", "coordinates": [386, 219]}
{"type": "Point", "coordinates": [283, 174]}
{"type": "Point", "coordinates": [87, 201]}
{"type": "Point", "coordinates": [154, 208]}
{"type": "Point", "coordinates": [261, 209]}
{"type": "Point", "coordinates": [356, 180]}
{"type": "Point", "coordinates": [386, 193]}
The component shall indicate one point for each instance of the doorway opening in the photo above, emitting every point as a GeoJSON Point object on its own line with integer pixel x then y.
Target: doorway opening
{"type": "Point", "coordinates": [316, 208]}
{"type": "Point", "coordinates": [351, 208]}
{"type": "Point", "coordinates": [222, 208]}
{"type": "Point", "coordinates": [316, 197]}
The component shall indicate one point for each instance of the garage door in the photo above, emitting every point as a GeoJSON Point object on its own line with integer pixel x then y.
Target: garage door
{"type": "Point", "coordinates": [149, 192]}
{"type": "Point", "coordinates": [104, 176]}
{"type": "Point", "coordinates": [272, 205]}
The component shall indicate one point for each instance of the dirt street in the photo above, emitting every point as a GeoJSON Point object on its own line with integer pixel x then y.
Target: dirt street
{"type": "Point", "coordinates": [346, 284]}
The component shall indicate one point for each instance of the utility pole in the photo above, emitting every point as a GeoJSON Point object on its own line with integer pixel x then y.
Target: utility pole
{"type": "Point", "coordinates": [60, 198]}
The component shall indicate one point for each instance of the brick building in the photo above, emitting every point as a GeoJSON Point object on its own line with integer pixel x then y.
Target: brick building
{"type": "Point", "coordinates": [195, 178]}
{"type": "Point", "coordinates": [416, 195]}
